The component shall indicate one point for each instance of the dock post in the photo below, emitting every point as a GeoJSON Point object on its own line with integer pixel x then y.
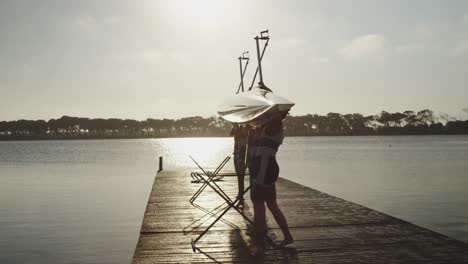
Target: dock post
{"type": "Point", "coordinates": [160, 163]}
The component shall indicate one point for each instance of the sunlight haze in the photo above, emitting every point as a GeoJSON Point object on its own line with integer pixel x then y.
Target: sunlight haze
{"type": "Point", "coordinates": [171, 59]}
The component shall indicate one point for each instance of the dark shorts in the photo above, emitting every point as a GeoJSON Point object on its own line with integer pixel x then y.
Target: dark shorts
{"type": "Point", "coordinates": [262, 193]}
{"type": "Point", "coordinates": [272, 169]}
{"type": "Point", "coordinates": [239, 159]}
{"type": "Point", "coordinates": [239, 152]}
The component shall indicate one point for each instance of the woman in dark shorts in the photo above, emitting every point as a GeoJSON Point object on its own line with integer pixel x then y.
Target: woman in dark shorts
{"type": "Point", "coordinates": [264, 171]}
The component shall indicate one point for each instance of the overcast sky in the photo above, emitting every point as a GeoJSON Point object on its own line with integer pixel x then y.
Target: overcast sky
{"type": "Point", "coordinates": [140, 59]}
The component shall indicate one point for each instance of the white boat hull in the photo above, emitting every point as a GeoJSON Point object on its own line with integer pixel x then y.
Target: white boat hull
{"type": "Point", "coordinates": [255, 106]}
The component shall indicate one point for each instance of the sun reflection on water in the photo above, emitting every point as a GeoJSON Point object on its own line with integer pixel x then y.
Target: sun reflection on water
{"type": "Point", "coordinates": [209, 152]}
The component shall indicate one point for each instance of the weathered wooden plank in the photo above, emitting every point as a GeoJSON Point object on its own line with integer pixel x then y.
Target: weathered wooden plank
{"type": "Point", "coordinates": [327, 229]}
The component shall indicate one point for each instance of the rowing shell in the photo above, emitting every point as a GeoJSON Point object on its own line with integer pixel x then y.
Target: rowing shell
{"type": "Point", "coordinates": [255, 106]}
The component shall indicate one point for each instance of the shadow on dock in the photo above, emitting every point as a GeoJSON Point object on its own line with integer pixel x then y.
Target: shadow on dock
{"type": "Point", "coordinates": [327, 229]}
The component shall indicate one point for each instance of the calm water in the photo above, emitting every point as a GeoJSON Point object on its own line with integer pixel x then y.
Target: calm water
{"type": "Point", "coordinates": [83, 201]}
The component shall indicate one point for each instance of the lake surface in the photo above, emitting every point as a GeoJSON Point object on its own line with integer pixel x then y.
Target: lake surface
{"type": "Point", "coordinates": [83, 201]}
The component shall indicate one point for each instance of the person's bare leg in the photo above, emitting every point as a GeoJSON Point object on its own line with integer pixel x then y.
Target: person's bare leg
{"type": "Point", "coordinates": [259, 225]}
{"type": "Point", "coordinates": [281, 220]}
{"type": "Point", "coordinates": [240, 181]}
{"type": "Point", "coordinates": [240, 172]}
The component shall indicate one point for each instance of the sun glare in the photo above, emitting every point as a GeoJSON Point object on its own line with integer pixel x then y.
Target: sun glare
{"type": "Point", "coordinates": [207, 151]}
{"type": "Point", "coordinates": [208, 14]}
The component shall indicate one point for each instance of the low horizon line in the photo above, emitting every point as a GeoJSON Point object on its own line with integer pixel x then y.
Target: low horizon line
{"type": "Point", "coordinates": [442, 115]}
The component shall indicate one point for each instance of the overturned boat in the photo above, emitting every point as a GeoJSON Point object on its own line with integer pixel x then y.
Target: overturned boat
{"type": "Point", "coordinates": [258, 105]}
{"type": "Point", "coordinates": [254, 106]}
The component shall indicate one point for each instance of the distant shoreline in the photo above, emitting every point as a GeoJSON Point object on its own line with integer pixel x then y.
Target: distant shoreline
{"type": "Point", "coordinates": [32, 138]}
{"type": "Point", "coordinates": [422, 122]}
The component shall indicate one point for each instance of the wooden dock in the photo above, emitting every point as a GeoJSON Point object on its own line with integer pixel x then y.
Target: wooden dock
{"type": "Point", "coordinates": [327, 229]}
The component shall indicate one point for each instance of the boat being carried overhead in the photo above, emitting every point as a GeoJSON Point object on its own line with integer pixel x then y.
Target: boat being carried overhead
{"type": "Point", "coordinates": [254, 106]}
{"type": "Point", "coordinates": [257, 105]}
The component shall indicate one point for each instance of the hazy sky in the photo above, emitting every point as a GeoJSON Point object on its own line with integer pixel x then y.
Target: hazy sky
{"type": "Point", "coordinates": [139, 59]}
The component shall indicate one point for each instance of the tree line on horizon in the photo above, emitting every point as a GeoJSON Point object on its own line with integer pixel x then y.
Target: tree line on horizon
{"type": "Point", "coordinates": [422, 122]}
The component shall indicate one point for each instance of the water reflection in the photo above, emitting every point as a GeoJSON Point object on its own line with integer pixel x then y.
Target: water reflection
{"type": "Point", "coordinates": [209, 152]}
{"type": "Point", "coordinates": [83, 201]}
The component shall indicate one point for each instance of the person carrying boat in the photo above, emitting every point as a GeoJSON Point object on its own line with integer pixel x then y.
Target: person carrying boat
{"type": "Point", "coordinates": [264, 172]}
{"type": "Point", "coordinates": [240, 148]}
